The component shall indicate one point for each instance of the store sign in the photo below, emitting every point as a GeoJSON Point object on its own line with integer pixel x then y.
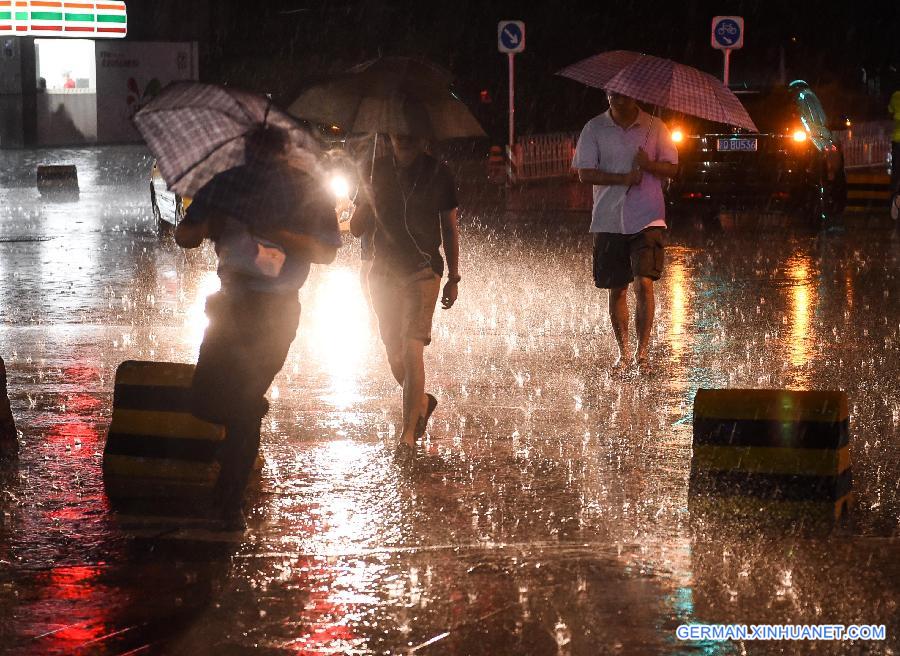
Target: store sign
{"type": "Point", "coordinates": [48, 18]}
{"type": "Point", "coordinates": [129, 75]}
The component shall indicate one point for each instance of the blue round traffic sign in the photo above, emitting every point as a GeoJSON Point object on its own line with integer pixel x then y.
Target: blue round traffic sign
{"type": "Point", "coordinates": [511, 36]}
{"type": "Point", "coordinates": [727, 32]}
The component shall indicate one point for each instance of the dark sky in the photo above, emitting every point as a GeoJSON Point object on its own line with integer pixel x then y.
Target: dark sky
{"type": "Point", "coordinates": [277, 45]}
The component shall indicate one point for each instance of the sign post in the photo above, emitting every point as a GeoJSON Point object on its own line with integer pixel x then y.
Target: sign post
{"type": "Point", "coordinates": [511, 39]}
{"type": "Point", "coordinates": [727, 35]}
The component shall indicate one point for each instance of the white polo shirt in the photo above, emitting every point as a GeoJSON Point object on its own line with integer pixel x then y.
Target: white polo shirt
{"type": "Point", "coordinates": [605, 146]}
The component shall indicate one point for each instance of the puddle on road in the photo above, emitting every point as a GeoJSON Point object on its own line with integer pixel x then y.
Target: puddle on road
{"type": "Point", "coordinates": [548, 510]}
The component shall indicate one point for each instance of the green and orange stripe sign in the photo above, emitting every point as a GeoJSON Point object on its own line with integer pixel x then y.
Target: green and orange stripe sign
{"type": "Point", "coordinates": [107, 19]}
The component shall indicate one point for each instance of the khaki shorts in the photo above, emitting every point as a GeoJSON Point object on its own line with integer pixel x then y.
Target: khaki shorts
{"type": "Point", "coordinates": [404, 305]}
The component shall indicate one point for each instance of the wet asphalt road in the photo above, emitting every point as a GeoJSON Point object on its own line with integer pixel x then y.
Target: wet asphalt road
{"type": "Point", "coordinates": [547, 512]}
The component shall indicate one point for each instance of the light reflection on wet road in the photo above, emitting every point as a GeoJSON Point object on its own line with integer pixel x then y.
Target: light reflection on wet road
{"type": "Point", "coordinates": [548, 512]}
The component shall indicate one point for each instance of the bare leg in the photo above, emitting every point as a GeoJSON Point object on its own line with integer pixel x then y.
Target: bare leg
{"type": "Point", "coordinates": [365, 266]}
{"type": "Point", "coordinates": [414, 400]}
{"type": "Point", "coordinates": [398, 368]}
{"type": "Point", "coordinates": [645, 309]}
{"type": "Point", "coordinates": [618, 314]}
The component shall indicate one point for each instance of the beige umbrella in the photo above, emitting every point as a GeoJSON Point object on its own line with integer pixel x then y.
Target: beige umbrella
{"type": "Point", "coordinates": [397, 95]}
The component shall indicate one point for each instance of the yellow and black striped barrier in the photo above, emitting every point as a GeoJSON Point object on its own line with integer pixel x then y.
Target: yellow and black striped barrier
{"type": "Point", "coordinates": [868, 189]}
{"type": "Point", "coordinates": [785, 453]}
{"type": "Point", "coordinates": [157, 453]}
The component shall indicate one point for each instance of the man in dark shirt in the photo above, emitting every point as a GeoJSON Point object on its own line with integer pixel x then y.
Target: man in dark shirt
{"type": "Point", "coordinates": [413, 211]}
{"type": "Point", "coordinates": [253, 318]}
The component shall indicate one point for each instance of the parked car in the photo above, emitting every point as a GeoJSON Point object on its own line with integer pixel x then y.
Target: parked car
{"type": "Point", "coordinates": [168, 207]}
{"type": "Point", "coordinates": [793, 162]}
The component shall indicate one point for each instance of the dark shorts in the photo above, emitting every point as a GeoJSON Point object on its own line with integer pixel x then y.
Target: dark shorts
{"type": "Point", "coordinates": [618, 259]}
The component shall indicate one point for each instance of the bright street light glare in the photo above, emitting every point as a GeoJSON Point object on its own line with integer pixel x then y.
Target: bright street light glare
{"type": "Point", "coordinates": [339, 186]}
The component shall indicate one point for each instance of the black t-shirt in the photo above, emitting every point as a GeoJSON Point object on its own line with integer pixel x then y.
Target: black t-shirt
{"type": "Point", "coordinates": [408, 202]}
{"type": "Point", "coordinates": [267, 196]}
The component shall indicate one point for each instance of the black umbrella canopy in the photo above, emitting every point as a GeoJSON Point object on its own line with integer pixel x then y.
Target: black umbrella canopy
{"type": "Point", "coordinates": [398, 95]}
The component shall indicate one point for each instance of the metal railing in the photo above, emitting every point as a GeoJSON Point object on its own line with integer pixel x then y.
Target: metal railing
{"type": "Point", "coordinates": [545, 156]}
{"type": "Point", "coordinates": [866, 144]}
{"type": "Point", "coordinates": [542, 156]}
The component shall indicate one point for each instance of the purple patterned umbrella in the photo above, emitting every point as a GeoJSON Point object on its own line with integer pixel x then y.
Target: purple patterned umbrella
{"type": "Point", "coordinates": [661, 82]}
{"type": "Point", "coordinates": [197, 131]}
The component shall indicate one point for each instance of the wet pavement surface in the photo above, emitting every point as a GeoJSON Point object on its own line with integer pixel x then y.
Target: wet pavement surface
{"type": "Point", "coordinates": [547, 511]}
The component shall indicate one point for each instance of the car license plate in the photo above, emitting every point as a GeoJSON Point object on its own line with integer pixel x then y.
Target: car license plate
{"type": "Point", "coordinates": [737, 144]}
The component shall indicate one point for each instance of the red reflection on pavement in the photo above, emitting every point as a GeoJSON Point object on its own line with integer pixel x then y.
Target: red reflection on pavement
{"type": "Point", "coordinates": [75, 582]}
{"type": "Point", "coordinates": [81, 374]}
{"type": "Point", "coordinates": [82, 437]}
{"type": "Point", "coordinates": [82, 404]}
{"type": "Point", "coordinates": [86, 506]}
{"type": "Point", "coordinates": [324, 620]}
{"type": "Point", "coordinates": [73, 595]}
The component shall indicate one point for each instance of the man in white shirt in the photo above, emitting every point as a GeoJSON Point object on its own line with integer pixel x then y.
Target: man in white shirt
{"type": "Point", "coordinates": [625, 153]}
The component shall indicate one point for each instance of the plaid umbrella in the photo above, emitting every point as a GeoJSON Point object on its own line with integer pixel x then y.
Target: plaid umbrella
{"type": "Point", "coordinates": [399, 95]}
{"type": "Point", "coordinates": [196, 131]}
{"type": "Point", "coordinates": [661, 82]}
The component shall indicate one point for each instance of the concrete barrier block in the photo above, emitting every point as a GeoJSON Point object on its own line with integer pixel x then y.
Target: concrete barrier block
{"type": "Point", "coordinates": [157, 453]}
{"type": "Point", "coordinates": [57, 179]}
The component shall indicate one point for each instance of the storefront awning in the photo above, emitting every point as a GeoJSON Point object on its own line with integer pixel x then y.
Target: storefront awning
{"type": "Point", "coordinates": [60, 18]}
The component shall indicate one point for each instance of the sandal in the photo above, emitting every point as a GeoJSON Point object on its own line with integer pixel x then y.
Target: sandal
{"type": "Point", "coordinates": [621, 364]}
{"type": "Point", "coordinates": [422, 424]}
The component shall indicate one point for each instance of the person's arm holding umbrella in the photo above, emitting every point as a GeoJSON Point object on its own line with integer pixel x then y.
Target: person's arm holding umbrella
{"type": "Point", "coordinates": [659, 168]}
{"type": "Point", "coordinates": [588, 152]}
{"type": "Point", "coordinates": [665, 165]}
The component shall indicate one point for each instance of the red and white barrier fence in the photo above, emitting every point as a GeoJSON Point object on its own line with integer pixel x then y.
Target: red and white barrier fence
{"type": "Point", "coordinates": [541, 156]}
{"type": "Point", "coordinates": [545, 156]}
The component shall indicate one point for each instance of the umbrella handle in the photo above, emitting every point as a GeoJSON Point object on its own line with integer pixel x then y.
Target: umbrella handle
{"type": "Point", "coordinates": [374, 151]}
{"type": "Point", "coordinates": [268, 107]}
{"type": "Point", "coordinates": [646, 138]}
